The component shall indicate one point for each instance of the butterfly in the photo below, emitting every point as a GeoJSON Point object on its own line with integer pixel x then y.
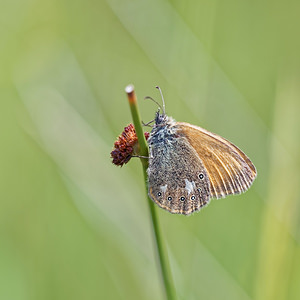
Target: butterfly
{"type": "Point", "coordinates": [189, 165]}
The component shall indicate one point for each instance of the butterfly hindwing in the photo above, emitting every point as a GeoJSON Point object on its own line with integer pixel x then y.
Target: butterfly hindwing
{"type": "Point", "coordinates": [177, 178]}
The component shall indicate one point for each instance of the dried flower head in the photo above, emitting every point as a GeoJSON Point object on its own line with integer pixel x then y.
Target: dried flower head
{"type": "Point", "coordinates": [125, 146]}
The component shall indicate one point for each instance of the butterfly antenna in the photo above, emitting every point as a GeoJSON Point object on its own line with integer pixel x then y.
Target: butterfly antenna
{"type": "Point", "coordinates": [163, 100]}
{"type": "Point", "coordinates": [150, 98]}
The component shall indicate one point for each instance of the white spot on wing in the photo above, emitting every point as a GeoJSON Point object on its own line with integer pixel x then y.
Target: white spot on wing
{"type": "Point", "coordinates": [189, 186]}
{"type": "Point", "coordinates": [163, 188]}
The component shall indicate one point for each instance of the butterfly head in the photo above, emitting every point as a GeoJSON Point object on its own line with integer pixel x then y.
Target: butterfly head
{"type": "Point", "coordinates": [160, 119]}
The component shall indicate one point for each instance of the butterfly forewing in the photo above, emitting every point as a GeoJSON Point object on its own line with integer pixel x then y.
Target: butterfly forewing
{"type": "Point", "coordinates": [229, 170]}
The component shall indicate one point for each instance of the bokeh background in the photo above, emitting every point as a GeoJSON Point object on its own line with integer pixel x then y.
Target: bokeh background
{"type": "Point", "coordinates": [74, 226]}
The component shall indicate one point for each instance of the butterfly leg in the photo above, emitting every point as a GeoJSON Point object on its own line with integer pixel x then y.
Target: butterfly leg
{"type": "Point", "coordinates": [139, 156]}
{"type": "Point", "coordinates": [148, 123]}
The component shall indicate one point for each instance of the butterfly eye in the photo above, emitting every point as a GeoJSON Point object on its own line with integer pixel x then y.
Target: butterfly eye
{"type": "Point", "coordinates": [169, 198]}
{"type": "Point", "coordinates": [193, 197]}
{"type": "Point", "coordinates": [201, 176]}
{"type": "Point", "coordinates": [182, 198]}
{"type": "Point", "coordinates": [159, 194]}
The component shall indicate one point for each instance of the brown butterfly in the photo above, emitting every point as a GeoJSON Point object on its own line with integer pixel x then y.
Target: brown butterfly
{"type": "Point", "coordinates": [188, 165]}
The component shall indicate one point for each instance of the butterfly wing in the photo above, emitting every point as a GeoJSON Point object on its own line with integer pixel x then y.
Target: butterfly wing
{"type": "Point", "coordinates": [173, 174]}
{"type": "Point", "coordinates": [229, 170]}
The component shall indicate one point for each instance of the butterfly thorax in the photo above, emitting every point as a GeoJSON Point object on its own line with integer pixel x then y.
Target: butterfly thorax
{"type": "Point", "coordinates": [163, 119]}
{"type": "Point", "coordinates": [163, 130]}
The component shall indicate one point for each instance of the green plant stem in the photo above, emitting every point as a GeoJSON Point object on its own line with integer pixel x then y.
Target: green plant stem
{"type": "Point", "coordinates": [163, 259]}
{"type": "Point", "coordinates": [143, 148]}
{"type": "Point", "coordinates": [161, 254]}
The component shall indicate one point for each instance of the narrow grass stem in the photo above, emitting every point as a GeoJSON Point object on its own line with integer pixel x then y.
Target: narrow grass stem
{"type": "Point", "coordinates": [162, 256]}
{"type": "Point", "coordinates": [143, 151]}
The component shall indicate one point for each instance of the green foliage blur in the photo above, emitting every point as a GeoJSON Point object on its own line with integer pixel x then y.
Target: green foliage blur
{"type": "Point", "coordinates": [74, 226]}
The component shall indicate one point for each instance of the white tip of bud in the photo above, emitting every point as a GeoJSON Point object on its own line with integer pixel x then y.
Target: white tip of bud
{"type": "Point", "coordinates": [129, 88]}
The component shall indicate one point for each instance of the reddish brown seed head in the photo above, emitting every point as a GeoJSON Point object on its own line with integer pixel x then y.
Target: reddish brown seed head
{"type": "Point", "coordinates": [125, 146]}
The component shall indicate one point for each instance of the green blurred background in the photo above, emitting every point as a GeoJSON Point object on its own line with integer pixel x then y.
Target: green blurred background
{"type": "Point", "coordinates": [74, 226]}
